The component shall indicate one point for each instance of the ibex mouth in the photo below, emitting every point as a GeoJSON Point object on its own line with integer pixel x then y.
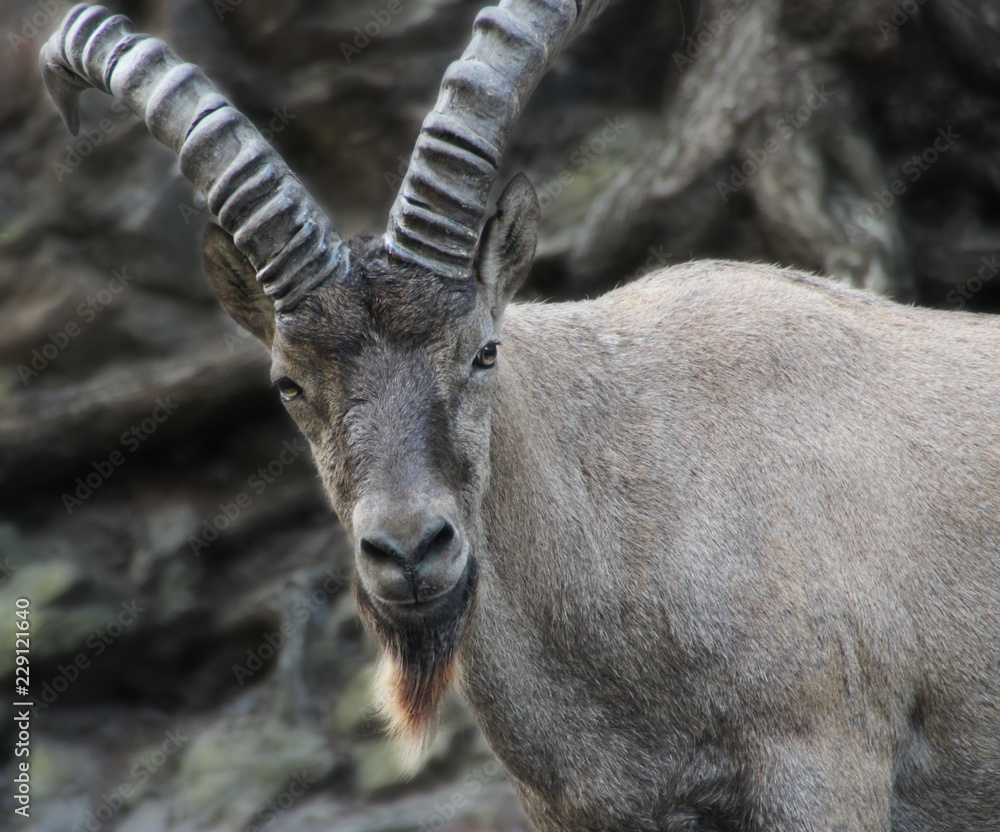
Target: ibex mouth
{"type": "Point", "coordinates": [424, 610]}
{"type": "Point", "coordinates": [424, 600]}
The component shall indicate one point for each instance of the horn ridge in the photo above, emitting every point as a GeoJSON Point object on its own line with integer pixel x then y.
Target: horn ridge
{"type": "Point", "coordinates": [273, 220]}
{"type": "Point", "coordinates": [461, 143]}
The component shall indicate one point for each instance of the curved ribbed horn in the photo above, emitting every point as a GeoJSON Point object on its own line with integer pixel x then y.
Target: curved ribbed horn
{"type": "Point", "coordinates": [436, 219]}
{"type": "Point", "coordinates": [272, 218]}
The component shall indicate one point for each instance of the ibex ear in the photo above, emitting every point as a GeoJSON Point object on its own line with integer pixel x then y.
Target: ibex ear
{"type": "Point", "coordinates": [234, 281]}
{"type": "Point", "coordinates": [507, 245]}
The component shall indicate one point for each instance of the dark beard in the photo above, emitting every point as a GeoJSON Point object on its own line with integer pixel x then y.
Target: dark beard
{"type": "Point", "coordinates": [419, 650]}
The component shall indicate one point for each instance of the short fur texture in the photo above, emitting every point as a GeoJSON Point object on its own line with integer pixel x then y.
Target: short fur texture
{"type": "Point", "coordinates": [735, 532]}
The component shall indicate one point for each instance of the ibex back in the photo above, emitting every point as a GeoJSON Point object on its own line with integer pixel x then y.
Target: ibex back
{"type": "Point", "coordinates": [717, 551]}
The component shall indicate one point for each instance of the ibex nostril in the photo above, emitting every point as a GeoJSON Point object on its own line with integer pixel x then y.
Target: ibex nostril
{"type": "Point", "coordinates": [438, 539]}
{"type": "Point", "coordinates": [434, 540]}
{"type": "Point", "coordinates": [379, 548]}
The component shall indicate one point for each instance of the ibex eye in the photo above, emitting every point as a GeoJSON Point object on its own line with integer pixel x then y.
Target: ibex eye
{"type": "Point", "coordinates": [288, 389]}
{"type": "Point", "coordinates": [487, 356]}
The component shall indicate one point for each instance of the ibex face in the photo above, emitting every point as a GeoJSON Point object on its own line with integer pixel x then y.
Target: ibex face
{"type": "Point", "coordinates": [389, 374]}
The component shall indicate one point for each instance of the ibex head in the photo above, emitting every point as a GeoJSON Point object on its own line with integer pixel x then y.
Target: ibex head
{"type": "Point", "coordinates": [390, 372]}
{"type": "Point", "coordinates": [386, 350]}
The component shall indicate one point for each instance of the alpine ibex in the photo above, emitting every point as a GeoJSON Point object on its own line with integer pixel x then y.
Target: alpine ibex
{"type": "Point", "coordinates": [719, 550]}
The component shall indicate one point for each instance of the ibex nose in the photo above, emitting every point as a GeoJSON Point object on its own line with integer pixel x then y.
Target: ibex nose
{"type": "Point", "coordinates": [407, 557]}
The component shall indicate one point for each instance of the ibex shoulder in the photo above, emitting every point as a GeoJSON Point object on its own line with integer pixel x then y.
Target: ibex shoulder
{"type": "Point", "coordinates": [714, 297]}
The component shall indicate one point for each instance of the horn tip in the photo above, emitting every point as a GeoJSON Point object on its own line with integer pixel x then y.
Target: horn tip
{"type": "Point", "coordinates": [64, 91]}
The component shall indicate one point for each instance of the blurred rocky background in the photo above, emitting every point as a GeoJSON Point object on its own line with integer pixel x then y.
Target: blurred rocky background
{"type": "Point", "coordinates": [194, 646]}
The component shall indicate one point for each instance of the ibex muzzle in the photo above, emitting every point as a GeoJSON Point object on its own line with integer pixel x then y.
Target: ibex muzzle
{"type": "Point", "coordinates": [719, 550]}
{"type": "Point", "coordinates": [408, 556]}
{"type": "Point", "coordinates": [411, 551]}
